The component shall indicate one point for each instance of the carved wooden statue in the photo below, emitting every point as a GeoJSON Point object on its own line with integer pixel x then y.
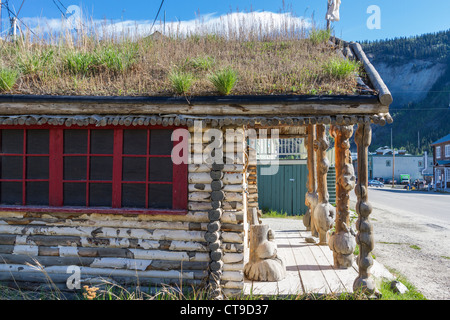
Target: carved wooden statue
{"type": "Point", "coordinates": [364, 238]}
{"type": "Point", "coordinates": [324, 212]}
{"type": "Point", "coordinates": [342, 241]}
{"type": "Point", "coordinates": [311, 197]}
{"type": "Point", "coordinates": [264, 264]}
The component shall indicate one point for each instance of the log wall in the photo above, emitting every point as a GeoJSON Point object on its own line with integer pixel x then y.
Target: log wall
{"type": "Point", "coordinates": [126, 249]}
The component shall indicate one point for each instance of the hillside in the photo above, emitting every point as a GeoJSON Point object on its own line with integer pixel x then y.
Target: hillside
{"type": "Point", "coordinates": [417, 71]}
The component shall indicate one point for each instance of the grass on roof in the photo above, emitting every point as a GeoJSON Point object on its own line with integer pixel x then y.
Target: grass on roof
{"type": "Point", "coordinates": [167, 66]}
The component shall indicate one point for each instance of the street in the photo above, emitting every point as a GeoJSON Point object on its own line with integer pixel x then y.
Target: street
{"type": "Point", "coordinates": [412, 236]}
{"type": "Point", "coordinates": [425, 204]}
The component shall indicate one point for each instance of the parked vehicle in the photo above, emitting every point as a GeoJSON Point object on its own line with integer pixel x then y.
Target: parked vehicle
{"type": "Point", "coordinates": [375, 183]}
{"type": "Point", "coordinates": [390, 181]}
{"type": "Point", "coordinates": [379, 179]}
{"type": "Point", "coordinates": [405, 179]}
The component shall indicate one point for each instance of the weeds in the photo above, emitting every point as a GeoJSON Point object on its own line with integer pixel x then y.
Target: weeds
{"type": "Point", "coordinates": [340, 68]}
{"type": "Point", "coordinates": [8, 78]}
{"type": "Point", "coordinates": [318, 36]}
{"type": "Point", "coordinates": [224, 80]}
{"type": "Point", "coordinates": [286, 62]}
{"type": "Point", "coordinates": [181, 82]}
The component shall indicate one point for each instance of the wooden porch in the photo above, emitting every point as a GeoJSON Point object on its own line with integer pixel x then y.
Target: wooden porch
{"type": "Point", "coordinates": [309, 267]}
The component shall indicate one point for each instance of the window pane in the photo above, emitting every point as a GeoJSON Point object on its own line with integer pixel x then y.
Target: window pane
{"type": "Point", "coordinates": [161, 142]}
{"type": "Point", "coordinates": [160, 196]}
{"type": "Point", "coordinates": [37, 193]}
{"type": "Point", "coordinates": [133, 195]}
{"type": "Point", "coordinates": [100, 195]}
{"type": "Point", "coordinates": [11, 167]}
{"type": "Point", "coordinates": [12, 141]}
{"type": "Point", "coordinates": [102, 141]}
{"type": "Point", "coordinates": [11, 193]}
{"type": "Point", "coordinates": [74, 194]}
{"type": "Point", "coordinates": [37, 141]}
{"type": "Point", "coordinates": [134, 169]}
{"type": "Point", "coordinates": [75, 168]}
{"type": "Point", "coordinates": [101, 168]}
{"type": "Point", "coordinates": [37, 168]}
{"type": "Point", "coordinates": [160, 169]}
{"type": "Point", "coordinates": [135, 141]}
{"type": "Point", "coordinates": [75, 141]}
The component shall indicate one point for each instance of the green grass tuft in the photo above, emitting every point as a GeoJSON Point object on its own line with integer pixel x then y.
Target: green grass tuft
{"type": "Point", "coordinates": [340, 69]}
{"type": "Point", "coordinates": [181, 81]}
{"type": "Point", "coordinates": [8, 78]}
{"type": "Point", "coordinates": [224, 80]}
{"type": "Point", "coordinates": [317, 36]}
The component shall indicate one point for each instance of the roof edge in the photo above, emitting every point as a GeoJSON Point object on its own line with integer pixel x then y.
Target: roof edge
{"type": "Point", "coordinates": [196, 100]}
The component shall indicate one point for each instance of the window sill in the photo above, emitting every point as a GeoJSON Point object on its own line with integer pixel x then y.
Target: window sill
{"type": "Point", "coordinates": [103, 210]}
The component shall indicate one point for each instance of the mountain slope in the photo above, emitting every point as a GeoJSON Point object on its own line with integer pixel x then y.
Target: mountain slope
{"type": "Point", "coordinates": [417, 71]}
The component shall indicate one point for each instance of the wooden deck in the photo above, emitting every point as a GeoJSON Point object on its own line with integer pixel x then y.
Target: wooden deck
{"type": "Point", "coordinates": [309, 267]}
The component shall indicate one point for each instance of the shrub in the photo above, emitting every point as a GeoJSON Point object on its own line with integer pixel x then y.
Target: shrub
{"type": "Point", "coordinates": [340, 69]}
{"type": "Point", "coordinates": [8, 78]}
{"type": "Point", "coordinates": [224, 80]}
{"type": "Point", "coordinates": [181, 82]}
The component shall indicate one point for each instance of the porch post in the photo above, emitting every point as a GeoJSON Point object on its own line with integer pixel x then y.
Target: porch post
{"type": "Point", "coordinates": [324, 212]}
{"type": "Point", "coordinates": [311, 195]}
{"type": "Point", "coordinates": [342, 241]}
{"type": "Point", "coordinates": [364, 238]}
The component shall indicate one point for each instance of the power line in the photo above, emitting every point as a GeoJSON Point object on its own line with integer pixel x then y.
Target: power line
{"type": "Point", "coordinates": [157, 15]}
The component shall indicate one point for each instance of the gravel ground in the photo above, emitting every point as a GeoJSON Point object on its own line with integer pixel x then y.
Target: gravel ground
{"type": "Point", "coordinates": [418, 248]}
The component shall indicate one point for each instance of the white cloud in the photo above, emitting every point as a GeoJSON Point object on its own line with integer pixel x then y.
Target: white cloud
{"type": "Point", "coordinates": [236, 24]}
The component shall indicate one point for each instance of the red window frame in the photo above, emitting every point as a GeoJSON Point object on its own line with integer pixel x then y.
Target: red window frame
{"type": "Point", "coordinates": [56, 160]}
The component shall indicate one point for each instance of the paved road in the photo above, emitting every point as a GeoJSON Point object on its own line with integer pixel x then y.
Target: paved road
{"type": "Point", "coordinates": [426, 204]}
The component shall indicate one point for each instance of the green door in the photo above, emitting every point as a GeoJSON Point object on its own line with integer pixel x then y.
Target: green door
{"type": "Point", "coordinates": [285, 191]}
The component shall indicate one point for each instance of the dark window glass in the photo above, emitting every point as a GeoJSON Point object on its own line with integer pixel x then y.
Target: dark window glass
{"type": "Point", "coordinates": [133, 195]}
{"type": "Point", "coordinates": [37, 168]}
{"type": "Point", "coordinates": [12, 141]}
{"type": "Point", "coordinates": [134, 169]}
{"type": "Point", "coordinates": [11, 167]}
{"type": "Point", "coordinates": [100, 194]}
{"type": "Point", "coordinates": [160, 169]}
{"type": "Point", "coordinates": [75, 141]}
{"type": "Point", "coordinates": [102, 141]}
{"type": "Point", "coordinates": [75, 168]}
{"type": "Point", "coordinates": [11, 193]}
{"type": "Point", "coordinates": [74, 194]}
{"type": "Point", "coordinates": [101, 168]}
{"type": "Point", "coordinates": [37, 141]}
{"type": "Point", "coordinates": [135, 142]}
{"type": "Point", "coordinates": [37, 193]}
{"type": "Point", "coordinates": [161, 142]}
{"type": "Point", "coordinates": [160, 196]}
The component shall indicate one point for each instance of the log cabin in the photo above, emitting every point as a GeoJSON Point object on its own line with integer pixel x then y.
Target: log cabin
{"type": "Point", "coordinates": [90, 181]}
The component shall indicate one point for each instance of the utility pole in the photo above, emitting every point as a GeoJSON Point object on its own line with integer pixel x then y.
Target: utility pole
{"type": "Point", "coordinates": [393, 161]}
{"type": "Point", "coordinates": [328, 20]}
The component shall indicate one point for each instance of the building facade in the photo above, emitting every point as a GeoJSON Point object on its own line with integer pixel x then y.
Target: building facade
{"type": "Point", "coordinates": [441, 151]}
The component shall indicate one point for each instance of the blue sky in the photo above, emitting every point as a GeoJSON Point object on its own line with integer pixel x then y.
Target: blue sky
{"type": "Point", "coordinates": [397, 17]}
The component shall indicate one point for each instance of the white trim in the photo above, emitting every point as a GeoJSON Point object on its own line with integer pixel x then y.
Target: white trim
{"type": "Point", "coordinates": [447, 150]}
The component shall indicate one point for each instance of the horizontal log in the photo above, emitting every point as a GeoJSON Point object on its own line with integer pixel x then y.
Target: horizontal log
{"type": "Point", "coordinates": [207, 168]}
{"type": "Point", "coordinates": [232, 276]}
{"type": "Point", "coordinates": [156, 234]}
{"type": "Point", "coordinates": [37, 282]}
{"type": "Point", "coordinates": [312, 105]}
{"type": "Point", "coordinates": [119, 263]}
{"type": "Point", "coordinates": [110, 272]}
